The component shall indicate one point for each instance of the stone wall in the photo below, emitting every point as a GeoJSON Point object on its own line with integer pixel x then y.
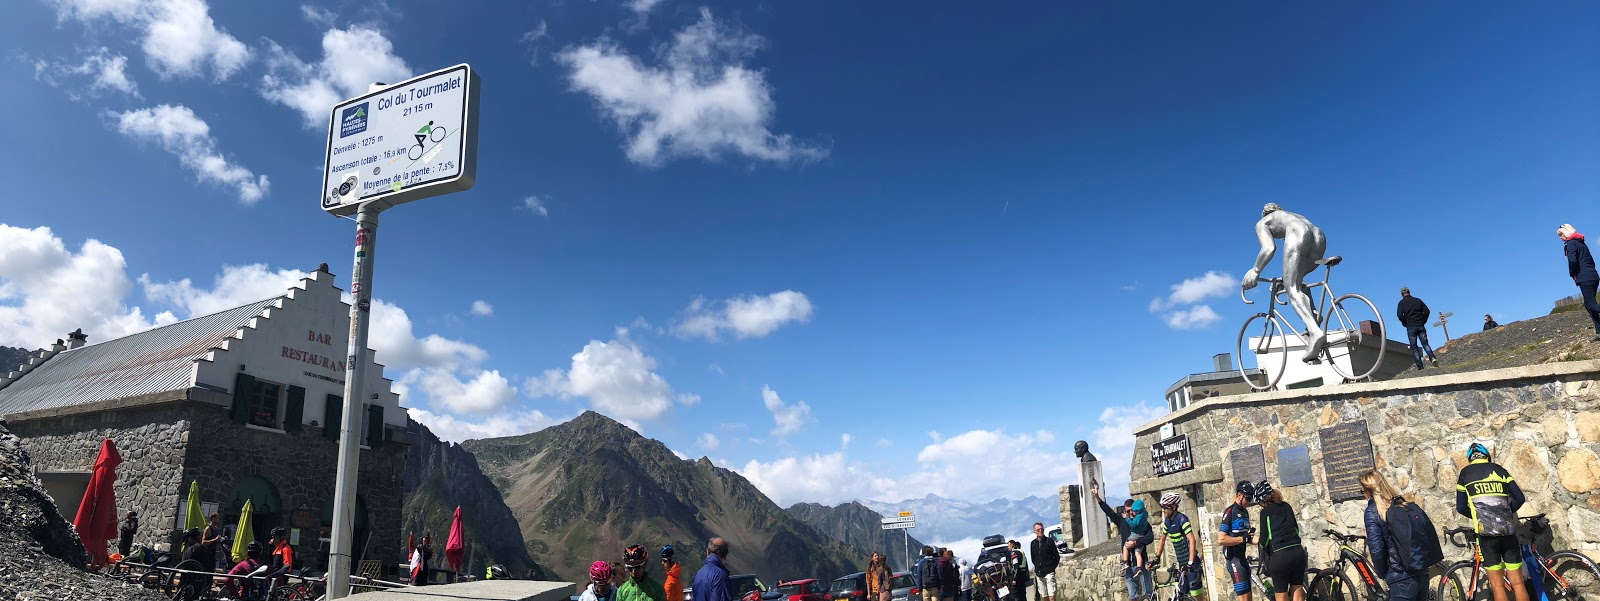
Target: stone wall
{"type": "Point", "coordinates": [165, 447]}
{"type": "Point", "coordinates": [1541, 422]}
{"type": "Point", "coordinates": [152, 442]}
{"type": "Point", "coordinates": [1092, 574]}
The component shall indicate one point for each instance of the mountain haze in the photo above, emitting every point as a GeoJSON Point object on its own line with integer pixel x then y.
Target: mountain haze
{"type": "Point", "coordinates": [941, 520]}
{"type": "Point", "coordinates": [583, 490]}
{"type": "Point", "coordinates": [859, 527]}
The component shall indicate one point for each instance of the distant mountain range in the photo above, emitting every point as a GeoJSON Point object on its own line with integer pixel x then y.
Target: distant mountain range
{"type": "Point", "coordinates": [861, 528]}
{"type": "Point", "coordinates": [12, 358]}
{"type": "Point", "coordinates": [941, 520]}
{"type": "Point", "coordinates": [583, 490]}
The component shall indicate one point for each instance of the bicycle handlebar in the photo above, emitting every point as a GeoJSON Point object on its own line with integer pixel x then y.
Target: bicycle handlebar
{"type": "Point", "coordinates": [1247, 300]}
{"type": "Point", "coordinates": [1343, 538]}
{"type": "Point", "coordinates": [1465, 533]}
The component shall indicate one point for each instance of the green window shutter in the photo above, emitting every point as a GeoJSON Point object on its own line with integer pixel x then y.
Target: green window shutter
{"type": "Point", "coordinates": [330, 417]}
{"type": "Point", "coordinates": [374, 426]}
{"type": "Point", "coordinates": [243, 386]}
{"type": "Point", "coordinates": [294, 410]}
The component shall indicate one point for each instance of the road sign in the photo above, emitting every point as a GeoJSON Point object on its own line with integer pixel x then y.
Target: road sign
{"type": "Point", "coordinates": [411, 140]}
{"type": "Point", "coordinates": [899, 520]}
{"type": "Point", "coordinates": [900, 525]}
{"type": "Point", "coordinates": [905, 514]}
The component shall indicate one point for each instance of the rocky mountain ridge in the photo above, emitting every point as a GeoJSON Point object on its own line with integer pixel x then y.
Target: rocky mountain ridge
{"type": "Point", "coordinates": [860, 528]}
{"type": "Point", "coordinates": [440, 476]}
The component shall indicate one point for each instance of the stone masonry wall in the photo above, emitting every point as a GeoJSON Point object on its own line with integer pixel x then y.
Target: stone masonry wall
{"type": "Point", "coordinates": [151, 440]}
{"type": "Point", "coordinates": [303, 466]}
{"type": "Point", "coordinates": [1541, 422]}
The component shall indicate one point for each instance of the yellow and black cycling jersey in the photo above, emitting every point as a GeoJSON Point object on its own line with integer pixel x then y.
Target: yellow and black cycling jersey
{"type": "Point", "coordinates": [1486, 493]}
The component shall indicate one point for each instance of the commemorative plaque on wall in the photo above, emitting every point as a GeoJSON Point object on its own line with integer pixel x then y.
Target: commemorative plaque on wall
{"type": "Point", "coordinates": [1294, 466]}
{"type": "Point", "coordinates": [1172, 455]}
{"type": "Point", "coordinates": [1249, 464]}
{"type": "Point", "coordinates": [1346, 454]}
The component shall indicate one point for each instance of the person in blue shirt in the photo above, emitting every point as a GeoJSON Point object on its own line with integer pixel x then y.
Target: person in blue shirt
{"type": "Point", "coordinates": [1234, 533]}
{"type": "Point", "coordinates": [711, 582]}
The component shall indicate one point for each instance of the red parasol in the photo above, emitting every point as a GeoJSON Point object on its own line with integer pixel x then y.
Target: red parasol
{"type": "Point", "coordinates": [96, 521]}
{"type": "Point", "coordinates": [454, 546]}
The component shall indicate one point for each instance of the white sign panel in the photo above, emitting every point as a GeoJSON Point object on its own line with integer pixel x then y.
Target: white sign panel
{"type": "Point", "coordinates": [411, 140]}
{"type": "Point", "coordinates": [900, 526]}
{"type": "Point", "coordinates": [896, 520]}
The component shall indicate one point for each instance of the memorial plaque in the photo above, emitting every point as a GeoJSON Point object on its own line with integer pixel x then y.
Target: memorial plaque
{"type": "Point", "coordinates": [1249, 464]}
{"type": "Point", "coordinates": [1172, 455]}
{"type": "Point", "coordinates": [1346, 454]}
{"type": "Point", "coordinates": [1294, 466]}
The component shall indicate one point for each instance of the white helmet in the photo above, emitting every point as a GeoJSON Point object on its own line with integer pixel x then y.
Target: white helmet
{"type": "Point", "coordinates": [1170, 500]}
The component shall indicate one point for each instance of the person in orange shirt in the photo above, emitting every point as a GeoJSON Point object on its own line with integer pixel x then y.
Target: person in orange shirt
{"type": "Point", "coordinates": [674, 583]}
{"type": "Point", "coordinates": [282, 554]}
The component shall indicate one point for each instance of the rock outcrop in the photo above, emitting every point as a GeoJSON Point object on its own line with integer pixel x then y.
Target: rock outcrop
{"type": "Point", "coordinates": [858, 527]}
{"type": "Point", "coordinates": [441, 476]}
{"type": "Point", "coordinates": [40, 555]}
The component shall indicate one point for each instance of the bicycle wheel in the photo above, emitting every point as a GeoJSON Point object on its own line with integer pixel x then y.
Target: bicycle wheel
{"type": "Point", "coordinates": [1458, 584]}
{"type": "Point", "coordinates": [1338, 324]}
{"type": "Point", "coordinates": [1571, 576]}
{"type": "Point", "coordinates": [1265, 334]}
{"type": "Point", "coordinates": [1332, 584]}
{"type": "Point", "coordinates": [436, 133]}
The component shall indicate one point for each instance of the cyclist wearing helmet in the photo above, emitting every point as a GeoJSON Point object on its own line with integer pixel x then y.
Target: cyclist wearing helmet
{"type": "Point", "coordinates": [496, 572]}
{"type": "Point", "coordinates": [1234, 534]}
{"type": "Point", "coordinates": [599, 583]}
{"type": "Point", "coordinates": [1486, 493]}
{"type": "Point", "coordinates": [1284, 558]}
{"type": "Point", "coordinates": [674, 584]}
{"type": "Point", "coordinates": [639, 587]}
{"type": "Point", "coordinates": [250, 563]}
{"type": "Point", "coordinates": [282, 554]}
{"type": "Point", "coordinates": [1185, 547]}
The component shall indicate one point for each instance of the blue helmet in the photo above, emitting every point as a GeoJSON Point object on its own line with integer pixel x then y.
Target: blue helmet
{"type": "Point", "coordinates": [1475, 450]}
{"type": "Point", "coordinates": [667, 552]}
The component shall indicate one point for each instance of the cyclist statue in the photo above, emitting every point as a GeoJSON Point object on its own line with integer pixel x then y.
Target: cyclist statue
{"type": "Point", "coordinates": [1303, 245]}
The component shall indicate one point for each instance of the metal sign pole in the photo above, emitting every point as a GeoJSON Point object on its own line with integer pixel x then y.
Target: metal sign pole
{"type": "Point", "coordinates": [907, 532]}
{"type": "Point", "coordinates": [344, 492]}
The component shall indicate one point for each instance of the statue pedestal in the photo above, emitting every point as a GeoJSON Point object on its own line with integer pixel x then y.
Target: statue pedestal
{"type": "Point", "coordinates": [1094, 526]}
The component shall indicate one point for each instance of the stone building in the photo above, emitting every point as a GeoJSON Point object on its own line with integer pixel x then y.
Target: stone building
{"type": "Point", "coordinates": [246, 402]}
{"type": "Point", "coordinates": [1542, 422]}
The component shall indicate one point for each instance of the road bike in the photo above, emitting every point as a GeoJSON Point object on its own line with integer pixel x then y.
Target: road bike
{"type": "Point", "coordinates": [1333, 583]}
{"type": "Point", "coordinates": [1342, 335]}
{"type": "Point", "coordinates": [1174, 582]}
{"type": "Point", "coordinates": [1265, 585]}
{"type": "Point", "coordinates": [427, 132]}
{"type": "Point", "coordinates": [1560, 576]}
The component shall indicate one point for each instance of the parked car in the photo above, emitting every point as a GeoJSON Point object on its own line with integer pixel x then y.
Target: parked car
{"type": "Point", "coordinates": [746, 587]}
{"type": "Point", "coordinates": [1056, 534]}
{"type": "Point", "coordinates": [901, 587]}
{"type": "Point", "coordinates": [809, 589]}
{"type": "Point", "coordinates": [849, 588]}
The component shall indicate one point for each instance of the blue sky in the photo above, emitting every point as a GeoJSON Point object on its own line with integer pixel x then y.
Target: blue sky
{"type": "Point", "coordinates": [940, 227]}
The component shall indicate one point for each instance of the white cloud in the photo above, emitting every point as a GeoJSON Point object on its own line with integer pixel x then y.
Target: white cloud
{"type": "Point", "coordinates": [181, 133]}
{"type": "Point", "coordinates": [235, 286]}
{"type": "Point", "coordinates": [746, 316]}
{"type": "Point", "coordinates": [1190, 292]}
{"type": "Point", "coordinates": [700, 101]}
{"type": "Point", "coordinates": [106, 71]}
{"type": "Point", "coordinates": [1112, 443]}
{"type": "Point", "coordinates": [531, 38]}
{"type": "Point", "coordinates": [179, 38]}
{"type": "Point", "coordinates": [535, 205]}
{"type": "Point", "coordinates": [787, 417]}
{"type": "Point", "coordinates": [642, 7]}
{"type": "Point", "coordinates": [708, 441]}
{"type": "Point", "coordinates": [482, 308]}
{"type": "Point", "coordinates": [844, 441]}
{"type": "Point", "coordinates": [962, 467]}
{"type": "Point", "coordinates": [616, 377]}
{"type": "Point", "coordinates": [318, 16]}
{"type": "Point", "coordinates": [47, 290]}
{"type": "Point", "coordinates": [454, 429]}
{"type": "Point", "coordinates": [352, 59]}
{"type": "Point", "coordinates": [884, 443]}
{"type": "Point", "coordinates": [484, 392]}
{"type": "Point", "coordinates": [687, 399]}
{"type": "Point", "coordinates": [716, 369]}
{"type": "Point", "coordinates": [828, 479]}
{"type": "Point", "coordinates": [390, 334]}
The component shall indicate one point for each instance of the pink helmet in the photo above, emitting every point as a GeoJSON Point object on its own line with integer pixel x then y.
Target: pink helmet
{"type": "Point", "coordinates": [600, 571]}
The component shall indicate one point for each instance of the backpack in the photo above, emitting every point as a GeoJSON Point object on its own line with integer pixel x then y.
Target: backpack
{"type": "Point", "coordinates": [1413, 540]}
{"type": "Point", "coordinates": [927, 572]}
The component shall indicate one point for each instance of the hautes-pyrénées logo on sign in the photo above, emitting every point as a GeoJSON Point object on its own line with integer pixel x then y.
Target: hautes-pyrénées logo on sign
{"type": "Point", "coordinates": [353, 120]}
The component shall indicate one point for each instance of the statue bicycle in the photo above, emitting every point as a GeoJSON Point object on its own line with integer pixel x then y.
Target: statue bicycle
{"type": "Point", "coordinates": [1343, 336]}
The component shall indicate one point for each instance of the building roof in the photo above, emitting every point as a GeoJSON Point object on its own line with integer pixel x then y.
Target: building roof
{"type": "Point", "coordinates": [155, 360]}
{"type": "Point", "coordinates": [1211, 377]}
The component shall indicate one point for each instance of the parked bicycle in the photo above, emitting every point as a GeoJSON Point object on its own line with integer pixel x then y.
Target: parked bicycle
{"type": "Point", "coordinates": [1333, 583]}
{"type": "Point", "coordinates": [1174, 581]}
{"type": "Point", "coordinates": [1561, 575]}
{"type": "Point", "coordinates": [1343, 335]}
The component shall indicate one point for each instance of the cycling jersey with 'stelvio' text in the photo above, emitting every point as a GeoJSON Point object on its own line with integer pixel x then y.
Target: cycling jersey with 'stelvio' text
{"type": "Point", "coordinates": [1486, 493]}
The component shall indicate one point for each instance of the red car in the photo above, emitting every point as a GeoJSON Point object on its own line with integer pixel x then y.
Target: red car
{"type": "Point", "coordinates": [809, 589]}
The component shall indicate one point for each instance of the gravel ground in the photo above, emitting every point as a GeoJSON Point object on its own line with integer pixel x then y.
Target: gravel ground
{"type": "Point", "coordinates": [1552, 338]}
{"type": "Point", "coordinates": [40, 556]}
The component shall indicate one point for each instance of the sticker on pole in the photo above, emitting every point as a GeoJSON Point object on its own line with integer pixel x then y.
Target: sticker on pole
{"type": "Point", "coordinates": [408, 141]}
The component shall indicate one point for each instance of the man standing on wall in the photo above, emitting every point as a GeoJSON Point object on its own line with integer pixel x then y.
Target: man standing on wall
{"type": "Point", "coordinates": [1413, 315]}
{"type": "Point", "coordinates": [1234, 535]}
{"type": "Point", "coordinates": [1045, 559]}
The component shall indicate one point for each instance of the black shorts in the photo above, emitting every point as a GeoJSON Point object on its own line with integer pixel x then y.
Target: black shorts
{"type": "Point", "coordinates": [1287, 567]}
{"type": "Point", "coordinates": [1500, 552]}
{"type": "Point", "coordinates": [1239, 571]}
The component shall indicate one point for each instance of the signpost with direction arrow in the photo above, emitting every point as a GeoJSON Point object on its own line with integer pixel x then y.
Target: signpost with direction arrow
{"type": "Point", "coordinates": [1444, 319]}
{"type": "Point", "coordinates": [904, 523]}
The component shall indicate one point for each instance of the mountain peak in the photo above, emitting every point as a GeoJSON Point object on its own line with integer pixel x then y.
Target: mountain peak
{"type": "Point", "coordinates": [595, 423]}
